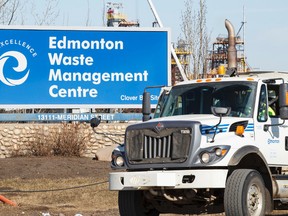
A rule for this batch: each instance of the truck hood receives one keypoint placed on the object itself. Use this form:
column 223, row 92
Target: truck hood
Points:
column 203, row 119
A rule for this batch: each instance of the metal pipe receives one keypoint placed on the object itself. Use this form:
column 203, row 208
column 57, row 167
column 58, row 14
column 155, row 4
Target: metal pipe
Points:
column 232, row 52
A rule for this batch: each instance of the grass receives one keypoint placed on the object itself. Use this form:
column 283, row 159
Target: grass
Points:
column 95, row 197
column 66, row 196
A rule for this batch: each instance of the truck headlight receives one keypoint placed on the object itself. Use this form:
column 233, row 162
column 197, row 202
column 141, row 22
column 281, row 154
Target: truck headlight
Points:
column 213, row 154
column 117, row 158
column 205, row 157
column 218, row 152
column 119, row 161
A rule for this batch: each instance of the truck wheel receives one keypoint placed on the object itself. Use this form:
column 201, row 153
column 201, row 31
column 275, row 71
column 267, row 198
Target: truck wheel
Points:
column 244, row 194
column 133, row 203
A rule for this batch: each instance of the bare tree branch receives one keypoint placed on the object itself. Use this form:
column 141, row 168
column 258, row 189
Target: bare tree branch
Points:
column 88, row 14
column 8, row 10
column 195, row 35
column 14, row 9
column 49, row 15
column 3, row 4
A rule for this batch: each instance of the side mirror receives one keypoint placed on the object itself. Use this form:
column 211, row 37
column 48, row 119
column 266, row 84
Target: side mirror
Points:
column 220, row 111
column 283, row 100
column 146, row 106
column 94, row 122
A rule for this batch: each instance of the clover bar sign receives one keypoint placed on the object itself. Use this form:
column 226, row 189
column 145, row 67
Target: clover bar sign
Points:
column 87, row 67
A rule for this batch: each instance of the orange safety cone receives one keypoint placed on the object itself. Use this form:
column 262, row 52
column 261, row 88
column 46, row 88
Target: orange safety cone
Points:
column 7, row 201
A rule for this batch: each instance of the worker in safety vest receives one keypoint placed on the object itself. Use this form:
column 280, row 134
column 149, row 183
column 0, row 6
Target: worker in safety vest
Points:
column 272, row 98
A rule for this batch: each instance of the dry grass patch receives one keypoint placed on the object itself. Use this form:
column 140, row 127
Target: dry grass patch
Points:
column 81, row 194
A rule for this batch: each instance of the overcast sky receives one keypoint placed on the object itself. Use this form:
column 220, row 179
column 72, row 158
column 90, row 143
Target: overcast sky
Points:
column 266, row 30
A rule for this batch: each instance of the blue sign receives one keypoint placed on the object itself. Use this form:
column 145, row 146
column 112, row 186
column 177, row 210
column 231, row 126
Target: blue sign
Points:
column 74, row 68
column 60, row 117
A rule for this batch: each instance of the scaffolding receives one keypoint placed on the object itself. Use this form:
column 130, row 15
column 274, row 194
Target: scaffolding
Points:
column 115, row 18
column 218, row 56
column 183, row 54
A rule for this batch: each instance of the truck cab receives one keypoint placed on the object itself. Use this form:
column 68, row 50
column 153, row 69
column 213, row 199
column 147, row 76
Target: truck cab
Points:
column 212, row 145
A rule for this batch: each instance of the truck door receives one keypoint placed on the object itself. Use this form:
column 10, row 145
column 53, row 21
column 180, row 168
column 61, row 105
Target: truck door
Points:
column 269, row 133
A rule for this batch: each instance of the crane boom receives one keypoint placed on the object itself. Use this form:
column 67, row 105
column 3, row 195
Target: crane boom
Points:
column 172, row 48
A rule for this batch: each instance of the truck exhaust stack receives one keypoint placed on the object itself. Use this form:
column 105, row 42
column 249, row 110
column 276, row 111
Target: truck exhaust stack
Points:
column 232, row 52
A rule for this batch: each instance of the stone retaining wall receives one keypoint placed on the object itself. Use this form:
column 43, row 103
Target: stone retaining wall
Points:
column 16, row 138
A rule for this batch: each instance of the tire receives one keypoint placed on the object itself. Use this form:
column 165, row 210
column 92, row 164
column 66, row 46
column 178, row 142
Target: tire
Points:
column 244, row 194
column 133, row 203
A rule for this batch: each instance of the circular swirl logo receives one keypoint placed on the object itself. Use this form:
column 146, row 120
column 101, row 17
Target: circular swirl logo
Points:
column 20, row 68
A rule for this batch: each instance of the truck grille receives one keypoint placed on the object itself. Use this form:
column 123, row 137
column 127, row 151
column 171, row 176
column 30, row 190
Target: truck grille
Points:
column 155, row 147
column 150, row 146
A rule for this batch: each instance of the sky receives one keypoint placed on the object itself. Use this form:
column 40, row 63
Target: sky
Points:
column 265, row 30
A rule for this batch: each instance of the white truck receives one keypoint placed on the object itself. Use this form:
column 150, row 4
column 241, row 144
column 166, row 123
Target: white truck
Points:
column 213, row 145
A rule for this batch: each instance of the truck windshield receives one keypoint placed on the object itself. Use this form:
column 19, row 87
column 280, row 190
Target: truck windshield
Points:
column 198, row 98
